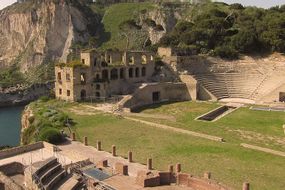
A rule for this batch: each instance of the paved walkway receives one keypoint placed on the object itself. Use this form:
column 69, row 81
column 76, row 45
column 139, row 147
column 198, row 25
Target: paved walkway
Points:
column 35, row 156
column 192, row 133
column 76, row 151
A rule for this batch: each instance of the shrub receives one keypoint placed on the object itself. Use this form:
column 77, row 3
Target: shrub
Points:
column 44, row 98
column 31, row 119
column 226, row 52
column 236, row 6
column 51, row 135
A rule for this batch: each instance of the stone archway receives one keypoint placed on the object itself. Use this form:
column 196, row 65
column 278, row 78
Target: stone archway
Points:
column 83, row 95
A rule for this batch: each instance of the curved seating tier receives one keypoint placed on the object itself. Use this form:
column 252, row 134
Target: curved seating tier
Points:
column 230, row 85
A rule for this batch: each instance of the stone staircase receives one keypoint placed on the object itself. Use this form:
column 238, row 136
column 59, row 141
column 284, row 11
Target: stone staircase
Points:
column 271, row 82
column 50, row 173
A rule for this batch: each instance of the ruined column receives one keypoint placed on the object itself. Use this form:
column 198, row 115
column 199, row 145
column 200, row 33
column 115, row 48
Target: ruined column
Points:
column 245, row 186
column 149, row 164
column 113, row 150
column 86, row 141
column 73, row 137
column 207, row 175
column 170, row 168
column 178, row 168
column 130, row 156
column 99, row 145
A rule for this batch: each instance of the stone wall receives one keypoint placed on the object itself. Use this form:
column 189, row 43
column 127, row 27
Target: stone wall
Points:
column 8, row 183
column 168, row 92
column 20, row 150
column 204, row 94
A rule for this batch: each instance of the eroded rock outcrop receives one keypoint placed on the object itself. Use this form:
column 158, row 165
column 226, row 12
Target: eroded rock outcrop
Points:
column 41, row 30
column 160, row 21
column 19, row 94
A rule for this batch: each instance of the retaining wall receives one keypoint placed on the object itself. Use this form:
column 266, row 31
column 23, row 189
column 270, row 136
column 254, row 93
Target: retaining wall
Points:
column 20, row 150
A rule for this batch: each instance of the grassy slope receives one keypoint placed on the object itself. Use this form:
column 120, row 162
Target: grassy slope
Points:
column 114, row 16
column 228, row 162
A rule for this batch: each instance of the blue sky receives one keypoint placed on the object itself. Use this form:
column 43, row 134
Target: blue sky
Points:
column 259, row 3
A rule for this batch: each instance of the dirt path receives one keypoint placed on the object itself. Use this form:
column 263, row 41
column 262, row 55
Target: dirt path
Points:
column 267, row 150
column 192, row 133
column 154, row 116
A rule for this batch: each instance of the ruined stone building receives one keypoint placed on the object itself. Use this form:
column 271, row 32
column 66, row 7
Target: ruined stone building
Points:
column 99, row 75
column 132, row 77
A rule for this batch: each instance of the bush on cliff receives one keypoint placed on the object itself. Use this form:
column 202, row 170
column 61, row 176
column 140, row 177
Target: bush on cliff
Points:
column 51, row 135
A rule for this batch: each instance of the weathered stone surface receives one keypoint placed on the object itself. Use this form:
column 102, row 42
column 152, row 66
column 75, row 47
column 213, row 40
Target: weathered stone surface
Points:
column 40, row 31
column 121, row 169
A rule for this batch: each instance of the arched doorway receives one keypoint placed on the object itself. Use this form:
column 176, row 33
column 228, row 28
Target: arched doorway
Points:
column 105, row 74
column 114, row 74
column 83, row 94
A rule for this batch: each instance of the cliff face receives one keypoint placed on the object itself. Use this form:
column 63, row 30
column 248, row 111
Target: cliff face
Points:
column 35, row 31
column 19, row 95
column 163, row 21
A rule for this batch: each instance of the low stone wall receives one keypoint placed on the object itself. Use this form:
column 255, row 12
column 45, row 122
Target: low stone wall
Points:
column 8, row 183
column 20, row 150
column 168, row 92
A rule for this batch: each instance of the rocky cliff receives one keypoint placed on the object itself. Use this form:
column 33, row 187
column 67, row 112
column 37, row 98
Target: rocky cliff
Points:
column 37, row 31
column 21, row 94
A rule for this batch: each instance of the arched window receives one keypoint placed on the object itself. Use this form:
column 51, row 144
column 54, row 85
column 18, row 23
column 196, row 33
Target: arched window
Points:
column 143, row 72
column 105, row 74
column 83, row 94
column 109, row 59
column 131, row 70
column 137, row 72
column 104, row 64
column 98, row 95
column 114, row 74
column 144, row 60
column 122, row 73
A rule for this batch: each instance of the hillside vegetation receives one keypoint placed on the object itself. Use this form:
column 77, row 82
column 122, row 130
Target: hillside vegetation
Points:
column 114, row 35
column 213, row 28
column 228, row 30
